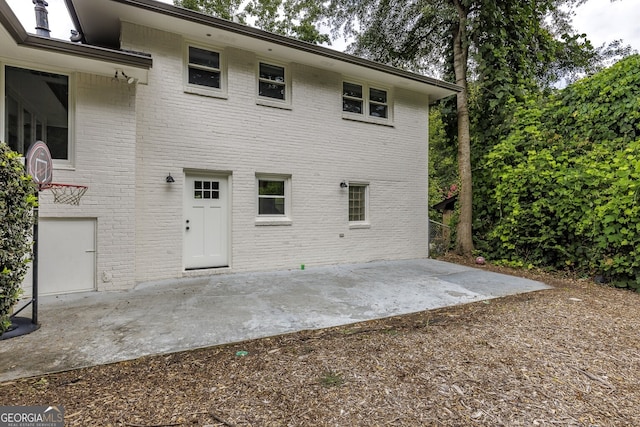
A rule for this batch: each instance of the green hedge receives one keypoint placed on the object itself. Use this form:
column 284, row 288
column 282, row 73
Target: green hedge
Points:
column 17, row 199
column 565, row 183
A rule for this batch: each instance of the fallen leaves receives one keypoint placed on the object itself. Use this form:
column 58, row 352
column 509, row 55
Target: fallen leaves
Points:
column 568, row 356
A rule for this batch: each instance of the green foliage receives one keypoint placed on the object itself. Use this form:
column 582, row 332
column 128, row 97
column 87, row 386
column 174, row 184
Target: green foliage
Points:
column 331, row 378
column 17, row 198
column 565, row 183
column 225, row 9
column 443, row 172
column 443, row 175
column 297, row 19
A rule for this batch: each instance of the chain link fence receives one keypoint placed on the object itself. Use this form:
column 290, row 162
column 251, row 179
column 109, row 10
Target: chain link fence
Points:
column 439, row 238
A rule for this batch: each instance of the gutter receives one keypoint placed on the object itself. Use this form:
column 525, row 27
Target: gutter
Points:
column 245, row 30
column 22, row 38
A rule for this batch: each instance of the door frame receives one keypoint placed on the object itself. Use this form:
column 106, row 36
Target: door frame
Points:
column 207, row 174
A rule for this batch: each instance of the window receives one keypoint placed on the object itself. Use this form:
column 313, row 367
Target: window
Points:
column 352, row 100
column 205, row 72
column 274, row 88
column 204, row 67
column 271, row 198
column 367, row 102
column 37, row 108
column 358, row 203
column 206, row 189
column 271, row 82
column 274, row 198
column 378, row 103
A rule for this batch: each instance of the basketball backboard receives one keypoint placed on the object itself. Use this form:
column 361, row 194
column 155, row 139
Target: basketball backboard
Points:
column 40, row 164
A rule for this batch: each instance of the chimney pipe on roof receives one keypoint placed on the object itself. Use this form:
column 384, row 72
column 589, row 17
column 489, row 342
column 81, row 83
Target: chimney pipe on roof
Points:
column 42, row 20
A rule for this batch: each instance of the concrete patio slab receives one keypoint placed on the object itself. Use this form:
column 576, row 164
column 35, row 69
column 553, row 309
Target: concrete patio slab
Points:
column 86, row 329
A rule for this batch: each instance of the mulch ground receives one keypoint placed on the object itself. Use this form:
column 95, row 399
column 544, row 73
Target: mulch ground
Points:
column 569, row 356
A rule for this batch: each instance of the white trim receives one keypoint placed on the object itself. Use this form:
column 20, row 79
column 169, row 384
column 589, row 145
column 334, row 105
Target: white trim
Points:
column 200, row 89
column 195, row 174
column 273, row 102
column 360, row 224
column 69, row 162
column 366, row 116
column 265, row 219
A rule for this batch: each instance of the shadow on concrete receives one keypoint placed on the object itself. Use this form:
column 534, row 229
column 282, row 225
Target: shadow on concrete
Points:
column 86, row 329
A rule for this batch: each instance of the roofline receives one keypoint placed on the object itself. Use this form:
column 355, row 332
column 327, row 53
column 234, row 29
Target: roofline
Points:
column 245, row 30
column 9, row 20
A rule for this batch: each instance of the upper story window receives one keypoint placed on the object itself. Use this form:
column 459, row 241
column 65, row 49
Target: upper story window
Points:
column 37, row 107
column 274, row 85
column 352, row 98
column 271, row 82
column 378, row 106
column 205, row 71
column 364, row 102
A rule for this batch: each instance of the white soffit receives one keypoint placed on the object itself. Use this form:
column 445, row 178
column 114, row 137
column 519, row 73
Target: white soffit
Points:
column 100, row 18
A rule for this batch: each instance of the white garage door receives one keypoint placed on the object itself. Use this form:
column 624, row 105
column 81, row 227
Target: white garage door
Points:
column 66, row 256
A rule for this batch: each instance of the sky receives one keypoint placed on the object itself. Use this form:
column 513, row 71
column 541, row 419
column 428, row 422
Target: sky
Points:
column 602, row 20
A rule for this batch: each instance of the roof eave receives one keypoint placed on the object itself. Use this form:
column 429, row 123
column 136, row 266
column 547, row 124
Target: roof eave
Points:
column 13, row 26
column 245, row 30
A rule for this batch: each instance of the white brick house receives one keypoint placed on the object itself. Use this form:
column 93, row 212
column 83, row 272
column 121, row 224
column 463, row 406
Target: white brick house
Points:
column 257, row 132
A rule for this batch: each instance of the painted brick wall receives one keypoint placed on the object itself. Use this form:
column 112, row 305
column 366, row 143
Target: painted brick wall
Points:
column 178, row 132
column 104, row 123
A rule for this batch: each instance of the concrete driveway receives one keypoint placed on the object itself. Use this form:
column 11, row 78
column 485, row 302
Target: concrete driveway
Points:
column 86, row 329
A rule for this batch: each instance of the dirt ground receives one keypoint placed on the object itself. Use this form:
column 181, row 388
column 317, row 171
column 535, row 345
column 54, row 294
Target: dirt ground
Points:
column 569, row 356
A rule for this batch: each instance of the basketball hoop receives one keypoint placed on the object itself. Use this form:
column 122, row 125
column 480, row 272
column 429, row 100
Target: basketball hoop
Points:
column 68, row 194
column 39, row 164
column 40, row 167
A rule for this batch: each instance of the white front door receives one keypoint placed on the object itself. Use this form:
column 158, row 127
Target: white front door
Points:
column 66, row 256
column 205, row 222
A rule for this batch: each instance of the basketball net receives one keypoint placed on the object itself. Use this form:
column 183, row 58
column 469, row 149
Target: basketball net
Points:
column 67, row 194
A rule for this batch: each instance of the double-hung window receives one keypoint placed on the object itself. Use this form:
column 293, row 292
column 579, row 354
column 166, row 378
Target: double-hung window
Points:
column 274, row 85
column 378, row 103
column 363, row 102
column 38, row 108
column 358, row 204
column 204, row 71
column 274, row 199
column 352, row 98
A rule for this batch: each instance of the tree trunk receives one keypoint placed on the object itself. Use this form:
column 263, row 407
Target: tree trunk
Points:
column 464, row 237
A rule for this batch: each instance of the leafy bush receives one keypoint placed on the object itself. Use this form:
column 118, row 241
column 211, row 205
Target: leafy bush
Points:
column 566, row 181
column 17, row 198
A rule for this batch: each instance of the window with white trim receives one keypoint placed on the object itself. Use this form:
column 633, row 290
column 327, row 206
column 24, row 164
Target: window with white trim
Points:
column 38, row 107
column 366, row 102
column 205, row 73
column 273, row 198
column 352, row 98
column 358, row 203
column 273, row 83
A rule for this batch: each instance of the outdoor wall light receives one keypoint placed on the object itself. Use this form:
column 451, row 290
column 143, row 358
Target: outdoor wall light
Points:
column 120, row 74
column 170, row 179
column 343, row 184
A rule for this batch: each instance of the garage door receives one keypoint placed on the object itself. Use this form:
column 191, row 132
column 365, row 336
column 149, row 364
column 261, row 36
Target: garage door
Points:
column 67, row 256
